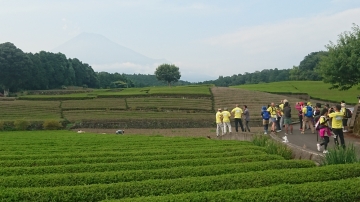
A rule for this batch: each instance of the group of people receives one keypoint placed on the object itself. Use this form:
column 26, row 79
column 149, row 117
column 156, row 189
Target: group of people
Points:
column 223, row 120
column 327, row 121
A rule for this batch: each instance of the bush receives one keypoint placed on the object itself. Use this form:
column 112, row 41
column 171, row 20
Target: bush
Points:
column 52, row 125
column 272, row 147
column 21, row 124
column 341, row 156
column 1, row 125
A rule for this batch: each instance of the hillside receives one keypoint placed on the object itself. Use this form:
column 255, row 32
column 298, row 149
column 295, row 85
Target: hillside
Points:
column 316, row 89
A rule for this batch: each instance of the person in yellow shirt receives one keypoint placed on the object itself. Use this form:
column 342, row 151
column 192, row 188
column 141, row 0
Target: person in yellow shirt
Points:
column 226, row 120
column 308, row 117
column 237, row 112
column 219, row 123
column 337, row 125
column 273, row 116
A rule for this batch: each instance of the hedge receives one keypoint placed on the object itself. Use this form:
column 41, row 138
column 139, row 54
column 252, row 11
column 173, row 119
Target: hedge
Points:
column 53, row 180
column 141, row 165
column 248, row 180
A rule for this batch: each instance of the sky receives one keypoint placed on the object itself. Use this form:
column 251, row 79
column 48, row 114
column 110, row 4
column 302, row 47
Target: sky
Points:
column 205, row 39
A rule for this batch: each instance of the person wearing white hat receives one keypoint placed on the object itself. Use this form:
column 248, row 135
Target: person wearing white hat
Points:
column 345, row 119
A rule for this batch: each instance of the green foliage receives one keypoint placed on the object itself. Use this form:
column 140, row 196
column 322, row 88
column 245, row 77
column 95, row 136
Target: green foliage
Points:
column 316, row 89
column 21, row 124
column 52, row 125
column 2, row 125
column 168, row 73
column 341, row 156
column 341, row 67
column 147, row 80
column 272, row 147
column 306, row 70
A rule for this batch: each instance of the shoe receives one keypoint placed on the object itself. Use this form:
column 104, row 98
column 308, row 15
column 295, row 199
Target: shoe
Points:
column 265, row 133
column 318, row 147
column 325, row 151
column 278, row 131
column 345, row 131
column 290, row 133
column 285, row 134
column 302, row 132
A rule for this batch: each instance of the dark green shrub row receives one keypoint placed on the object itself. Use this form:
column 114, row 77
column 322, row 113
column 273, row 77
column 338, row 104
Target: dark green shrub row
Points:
column 119, row 153
column 247, row 180
column 347, row 190
column 125, row 159
column 198, row 96
column 54, row 180
column 140, row 165
column 56, row 98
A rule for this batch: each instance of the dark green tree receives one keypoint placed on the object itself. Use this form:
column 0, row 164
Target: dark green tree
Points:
column 341, row 67
column 14, row 68
column 168, row 73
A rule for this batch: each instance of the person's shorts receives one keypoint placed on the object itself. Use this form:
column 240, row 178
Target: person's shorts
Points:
column 344, row 121
column 272, row 120
column 265, row 122
column 287, row 121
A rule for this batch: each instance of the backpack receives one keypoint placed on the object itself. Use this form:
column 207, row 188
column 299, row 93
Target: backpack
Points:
column 266, row 115
column 348, row 113
column 309, row 111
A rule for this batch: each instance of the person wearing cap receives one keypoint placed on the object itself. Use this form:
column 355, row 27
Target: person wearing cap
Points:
column 265, row 116
column 308, row 117
column 226, row 120
column 219, row 123
column 237, row 112
column 273, row 116
column 299, row 106
column 345, row 119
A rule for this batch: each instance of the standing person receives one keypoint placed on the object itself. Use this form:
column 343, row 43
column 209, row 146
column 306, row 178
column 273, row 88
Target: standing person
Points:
column 226, row 120
column 265, row 116
column 247, row 118
column 287, row 118
column 345, row 119
column 219, row 123
column 336, row 125
column 308, row 117
column 281, row 105
column 279, row 115
column 324, row 130
column 237, row 112
column 272, row 110
column 300, row 114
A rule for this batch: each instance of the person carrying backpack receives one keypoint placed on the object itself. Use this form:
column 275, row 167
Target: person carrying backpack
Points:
column 324, row 130
column 273, row 116
column 347, row 115
column 308, row 117
column 265, row 116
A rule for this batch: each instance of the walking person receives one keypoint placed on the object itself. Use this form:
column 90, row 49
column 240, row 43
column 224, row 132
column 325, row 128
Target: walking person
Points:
column 299, row 106
column 287, row 119
column 337, row 125
column 247, row 118
column 226, row 120
column 219, row 123
column 279, row 115
column 308, row 118
column 272, row 110
column 265, row 116
column 324, row 131
column 237, row 112
column 346, row 116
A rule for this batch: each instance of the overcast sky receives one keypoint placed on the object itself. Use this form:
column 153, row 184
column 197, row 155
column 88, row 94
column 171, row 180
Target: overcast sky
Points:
column 204, row 38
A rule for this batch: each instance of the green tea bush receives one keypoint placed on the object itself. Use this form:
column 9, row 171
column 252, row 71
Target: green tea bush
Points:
column 272, row 147
column 21, row 124
column 1, row 125
column 52, row 125
column 341, row 156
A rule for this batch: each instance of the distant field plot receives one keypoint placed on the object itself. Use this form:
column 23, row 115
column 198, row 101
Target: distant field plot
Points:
column 77, row 115
column 29, row 110
column 66, row 166
column 99, row 103
column 316, row 89
column 170, row 103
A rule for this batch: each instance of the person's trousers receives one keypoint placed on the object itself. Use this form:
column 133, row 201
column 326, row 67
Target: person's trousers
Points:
column 227, row 125
column 281, row 122
column 326, row 142
column 219, row 127
column 247, row 126
column 301, row 122
column 339, row 134
column 278, row 127
column 310, row 121
column 237, row 122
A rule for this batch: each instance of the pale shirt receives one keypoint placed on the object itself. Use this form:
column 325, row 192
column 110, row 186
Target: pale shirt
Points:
column 238, row 112
column 226, row 116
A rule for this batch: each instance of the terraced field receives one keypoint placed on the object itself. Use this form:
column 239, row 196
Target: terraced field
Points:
column 66, row 166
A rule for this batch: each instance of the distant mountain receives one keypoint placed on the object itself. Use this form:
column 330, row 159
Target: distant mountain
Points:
column 96, row 49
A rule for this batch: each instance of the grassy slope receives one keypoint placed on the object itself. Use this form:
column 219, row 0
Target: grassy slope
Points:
column 316, row 89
